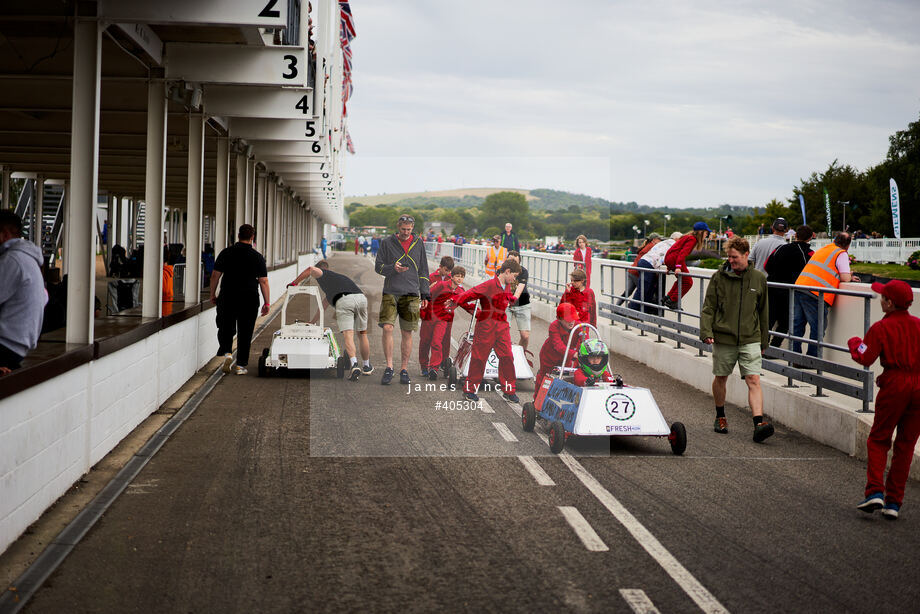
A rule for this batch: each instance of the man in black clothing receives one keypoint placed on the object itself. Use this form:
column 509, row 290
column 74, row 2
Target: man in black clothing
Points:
column 784, row 266
column 509, row 240
column 350, row 312
column 520, row 309
column 240, row 269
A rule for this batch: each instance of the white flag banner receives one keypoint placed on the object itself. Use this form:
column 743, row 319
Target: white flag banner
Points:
column 895, row 209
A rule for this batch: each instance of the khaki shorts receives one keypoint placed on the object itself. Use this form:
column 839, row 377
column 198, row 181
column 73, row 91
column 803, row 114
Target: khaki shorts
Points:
column 724, row 357
column 406, row 307
column 351, row 312
column 521, row 315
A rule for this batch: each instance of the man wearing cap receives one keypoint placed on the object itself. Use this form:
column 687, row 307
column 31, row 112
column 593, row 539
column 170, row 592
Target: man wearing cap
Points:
column 403, row 263
column 896, row 340
column 765, row 247
column 495, row 255
column 827, row 267
column 676, row 258
column 784, row 267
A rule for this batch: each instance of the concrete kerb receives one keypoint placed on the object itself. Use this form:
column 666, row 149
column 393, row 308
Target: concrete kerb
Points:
column 832, row 420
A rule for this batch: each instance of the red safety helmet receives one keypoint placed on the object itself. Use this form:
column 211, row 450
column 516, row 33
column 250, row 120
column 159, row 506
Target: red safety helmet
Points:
column 567, row 312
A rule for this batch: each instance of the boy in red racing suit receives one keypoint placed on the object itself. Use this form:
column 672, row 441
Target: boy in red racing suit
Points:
column 593, row 363
column 555, row 344
column 896, row 340
column 442, row 294
column 492, row 331
column 426, row 315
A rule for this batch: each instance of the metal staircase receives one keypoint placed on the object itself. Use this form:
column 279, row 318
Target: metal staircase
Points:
column 51, row 218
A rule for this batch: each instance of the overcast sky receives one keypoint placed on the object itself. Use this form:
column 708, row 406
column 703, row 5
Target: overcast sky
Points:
column 649, row 101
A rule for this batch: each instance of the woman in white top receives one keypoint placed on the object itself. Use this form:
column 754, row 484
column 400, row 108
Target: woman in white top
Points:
column 647, row 290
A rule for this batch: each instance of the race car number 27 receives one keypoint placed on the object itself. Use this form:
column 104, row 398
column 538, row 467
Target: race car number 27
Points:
column 620, row 406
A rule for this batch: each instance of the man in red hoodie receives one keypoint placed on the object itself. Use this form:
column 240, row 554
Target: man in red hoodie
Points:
column 579, row 294
column 442, row 294
column 554, row 347
column 428, row 321
column 492, row 331
column 896, row 340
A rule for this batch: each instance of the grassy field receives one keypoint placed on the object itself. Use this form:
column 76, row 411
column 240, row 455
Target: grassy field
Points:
column 386, row 199
column 893, row 271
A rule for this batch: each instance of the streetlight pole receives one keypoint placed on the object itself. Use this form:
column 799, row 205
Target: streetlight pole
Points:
column 645, row 230
column 845, row 204
column 667, row 218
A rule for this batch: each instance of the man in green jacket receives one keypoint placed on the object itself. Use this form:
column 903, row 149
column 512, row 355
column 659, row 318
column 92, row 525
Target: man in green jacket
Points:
column 735, row 321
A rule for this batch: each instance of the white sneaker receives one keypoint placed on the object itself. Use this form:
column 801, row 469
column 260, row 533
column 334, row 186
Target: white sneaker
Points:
column 228, row 362
column 238, row 370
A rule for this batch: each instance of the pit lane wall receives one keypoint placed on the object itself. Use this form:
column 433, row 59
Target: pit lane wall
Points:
column 54, row 432
column 832, row 420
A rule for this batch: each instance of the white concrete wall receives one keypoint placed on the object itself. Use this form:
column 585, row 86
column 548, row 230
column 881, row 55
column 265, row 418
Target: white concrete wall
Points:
column 52, row 433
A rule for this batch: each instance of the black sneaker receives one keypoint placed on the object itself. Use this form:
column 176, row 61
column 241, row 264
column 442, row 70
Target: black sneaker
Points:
column 762, row 431
column 511, row 397
column 433, row 375
column 470, row 396
column 367, row 369
column 355, row 373
column 404, row 377
column 387, row 376
column 424, row 371
column 670, row 304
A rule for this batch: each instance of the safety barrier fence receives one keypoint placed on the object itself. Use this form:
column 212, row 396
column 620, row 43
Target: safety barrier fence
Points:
column 549, row 274
column 868, row 250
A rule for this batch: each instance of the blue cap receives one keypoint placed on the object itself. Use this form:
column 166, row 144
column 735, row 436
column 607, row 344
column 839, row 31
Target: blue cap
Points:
column 701, row 226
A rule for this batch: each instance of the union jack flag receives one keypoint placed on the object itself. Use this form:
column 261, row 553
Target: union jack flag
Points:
column 348, row 144
column 348, row 21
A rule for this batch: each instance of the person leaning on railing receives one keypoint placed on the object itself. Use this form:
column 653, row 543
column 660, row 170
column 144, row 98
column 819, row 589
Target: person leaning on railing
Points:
column 827, row 267
column 895, row 339
column 676, row 258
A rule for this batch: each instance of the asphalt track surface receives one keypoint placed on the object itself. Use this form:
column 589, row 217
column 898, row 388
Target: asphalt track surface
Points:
column 296, row 494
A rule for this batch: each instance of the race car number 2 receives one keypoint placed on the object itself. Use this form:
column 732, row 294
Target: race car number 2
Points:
column 620, row 407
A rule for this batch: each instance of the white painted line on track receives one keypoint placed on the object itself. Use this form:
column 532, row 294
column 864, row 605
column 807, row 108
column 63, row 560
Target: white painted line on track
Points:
column 690, row 585
column 583, row 530
column 486, row 408
column 535, row 470
column 638, row 601
column 504, row 431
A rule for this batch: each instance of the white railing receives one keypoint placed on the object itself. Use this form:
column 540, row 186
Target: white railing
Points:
column 869, row 250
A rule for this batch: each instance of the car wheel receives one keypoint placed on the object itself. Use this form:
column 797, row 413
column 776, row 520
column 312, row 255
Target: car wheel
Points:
column 262, row 369
column 340, row 367
column 678, row 438
column 452, row 377
column 556, row 437
column 528, row 417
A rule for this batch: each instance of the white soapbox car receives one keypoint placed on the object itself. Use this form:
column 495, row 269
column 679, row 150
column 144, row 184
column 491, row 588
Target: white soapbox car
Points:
column 301, row 345
column 459, row 367
column 604, row 409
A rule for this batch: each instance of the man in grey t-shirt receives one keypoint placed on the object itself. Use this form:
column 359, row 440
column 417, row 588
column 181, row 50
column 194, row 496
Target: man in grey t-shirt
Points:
column 762, row 250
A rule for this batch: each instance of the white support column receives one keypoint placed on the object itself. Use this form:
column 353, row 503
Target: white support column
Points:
column 249, row 191
column 37, row 206
column 194, row 206
column 84, row 173
column 276, row 236
column 260, row 209
column 268, row 228
column 223, row 189
column 154, row 195
column 239, row 217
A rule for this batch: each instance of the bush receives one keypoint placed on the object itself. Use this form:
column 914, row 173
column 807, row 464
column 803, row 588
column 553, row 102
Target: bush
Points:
column 913, row 261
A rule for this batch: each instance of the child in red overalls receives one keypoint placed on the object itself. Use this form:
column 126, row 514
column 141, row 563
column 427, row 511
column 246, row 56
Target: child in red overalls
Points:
column 492, row 331
column 554, row 346
column 444, row 293
column 581, row 296
column 426, row 315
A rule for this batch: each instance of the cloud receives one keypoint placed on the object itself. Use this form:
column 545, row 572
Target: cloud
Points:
column 690, row 104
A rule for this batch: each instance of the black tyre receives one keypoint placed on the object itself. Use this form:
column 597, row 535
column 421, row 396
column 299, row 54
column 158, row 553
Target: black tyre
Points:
column 678, row 438
column 528, row 417
column 452, row 377
column 265, row 352
column 556, row 437
column 447, row 363
column 340, row 365
column 263, row 372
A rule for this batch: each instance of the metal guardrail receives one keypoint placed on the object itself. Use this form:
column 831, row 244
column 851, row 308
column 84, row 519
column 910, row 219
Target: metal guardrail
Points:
column 868, row 250
column 548, row 274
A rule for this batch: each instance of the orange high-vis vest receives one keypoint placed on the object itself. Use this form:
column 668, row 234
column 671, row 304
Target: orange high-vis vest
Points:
column 495, row 259
column 821, row 271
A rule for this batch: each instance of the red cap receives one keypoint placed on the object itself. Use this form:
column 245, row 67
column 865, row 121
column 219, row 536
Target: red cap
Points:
column 567, row 312
column 897, row 291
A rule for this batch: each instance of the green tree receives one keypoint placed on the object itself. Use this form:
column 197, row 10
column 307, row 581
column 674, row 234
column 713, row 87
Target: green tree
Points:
column 903, row 165
column 503, row 207
column 844, row 184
